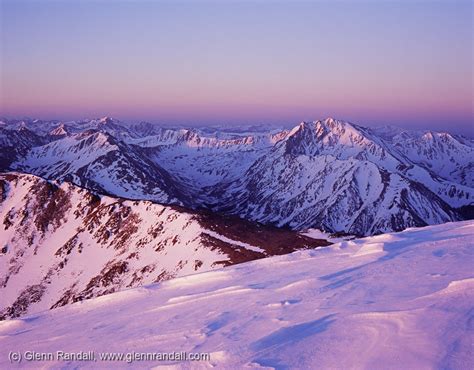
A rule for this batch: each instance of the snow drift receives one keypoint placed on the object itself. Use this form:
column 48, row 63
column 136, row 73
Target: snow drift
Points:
column 401, row 300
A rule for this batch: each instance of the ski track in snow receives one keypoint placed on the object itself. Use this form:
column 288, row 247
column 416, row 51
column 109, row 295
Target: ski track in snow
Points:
column 234, row 242
column 401, row 300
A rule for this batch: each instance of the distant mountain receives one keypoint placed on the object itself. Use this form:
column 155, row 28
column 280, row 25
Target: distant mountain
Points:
column 328, row 174
column 61, row 244
column 447, row 156
column 342, row 178
column 17, row 143
column 98, row 161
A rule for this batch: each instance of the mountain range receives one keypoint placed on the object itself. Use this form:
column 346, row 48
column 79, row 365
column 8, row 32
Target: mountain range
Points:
column 328, row 174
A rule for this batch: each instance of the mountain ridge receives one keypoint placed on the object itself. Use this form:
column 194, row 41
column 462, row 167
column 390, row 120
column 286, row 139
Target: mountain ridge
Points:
column 61, row 244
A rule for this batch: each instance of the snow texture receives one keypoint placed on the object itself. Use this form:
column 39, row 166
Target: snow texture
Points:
column 392, row 301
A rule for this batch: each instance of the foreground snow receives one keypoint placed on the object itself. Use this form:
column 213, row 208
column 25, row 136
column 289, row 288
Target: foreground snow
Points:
column 402, row 300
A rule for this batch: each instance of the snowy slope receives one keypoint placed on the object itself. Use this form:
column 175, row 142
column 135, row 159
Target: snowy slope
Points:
column 61, row 244
column 202, row 161
column 440, row 153
column 15, row 144
column 448, row 156
column 98, row 161
column 391, row 301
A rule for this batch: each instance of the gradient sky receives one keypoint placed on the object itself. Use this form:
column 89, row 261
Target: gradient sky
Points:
column 371, row 62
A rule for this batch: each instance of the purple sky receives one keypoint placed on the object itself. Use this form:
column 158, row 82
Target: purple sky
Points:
column 408, row 63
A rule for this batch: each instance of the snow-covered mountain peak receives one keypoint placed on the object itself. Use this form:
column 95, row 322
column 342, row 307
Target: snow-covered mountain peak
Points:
column 333, row 137
column 61, row 130
column 22, row 126
column 94, row 139
column 106, row 119
column 333, row 123
column 342, row 129
column 300, row 127
column 438, row 136
column 329, row 127
column 111, row 123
